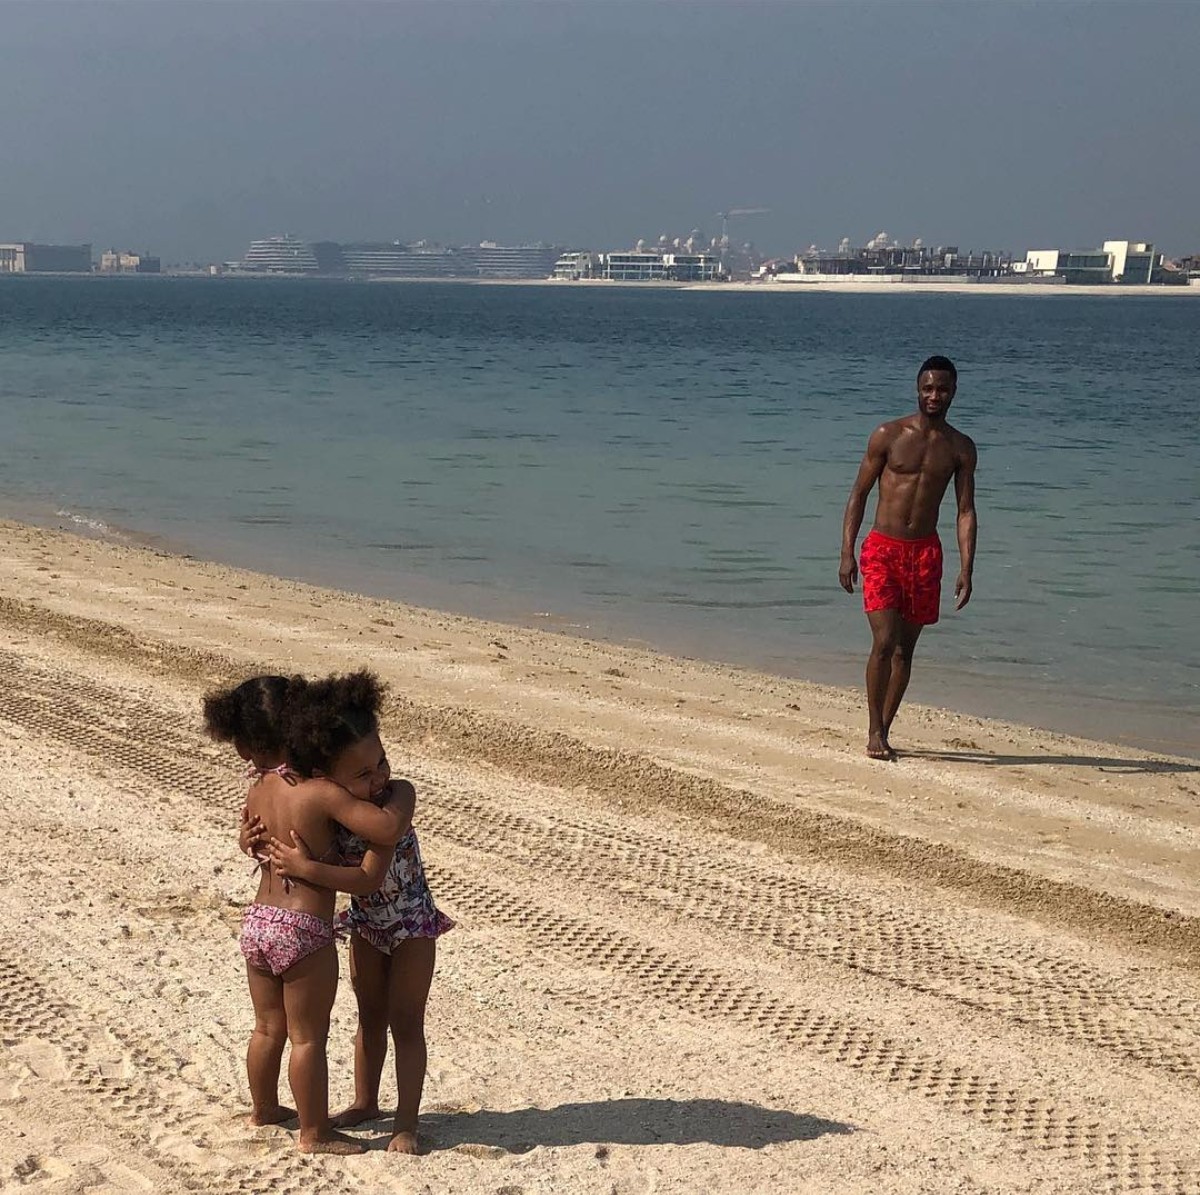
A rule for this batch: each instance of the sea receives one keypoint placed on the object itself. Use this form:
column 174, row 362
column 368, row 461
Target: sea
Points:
column 660, row 467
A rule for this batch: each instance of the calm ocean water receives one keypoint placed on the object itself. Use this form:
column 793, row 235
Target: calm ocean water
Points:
column 660, row 466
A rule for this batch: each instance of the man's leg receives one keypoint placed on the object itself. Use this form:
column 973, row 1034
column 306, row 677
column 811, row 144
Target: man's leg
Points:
column 885, row 636
column 902, row 657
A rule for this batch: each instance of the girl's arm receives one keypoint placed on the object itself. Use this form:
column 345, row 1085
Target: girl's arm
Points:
column 295, row 862
column 385, row 824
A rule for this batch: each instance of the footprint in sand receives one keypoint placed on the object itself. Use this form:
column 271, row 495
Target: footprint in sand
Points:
column 40, row 1060
column 97, row 1174
column 473, row 1149
column 28, row 1169
column 33, row 1169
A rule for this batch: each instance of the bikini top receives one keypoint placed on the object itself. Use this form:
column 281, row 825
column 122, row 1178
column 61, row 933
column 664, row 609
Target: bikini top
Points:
column 284, row 771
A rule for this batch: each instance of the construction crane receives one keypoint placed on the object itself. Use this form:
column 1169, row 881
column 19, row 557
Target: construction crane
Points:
column 737, row 211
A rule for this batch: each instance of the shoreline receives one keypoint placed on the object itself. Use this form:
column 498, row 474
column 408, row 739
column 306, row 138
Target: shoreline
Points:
column 545, row 678
column 967, row 287
column 961, row 688
column 815, row 285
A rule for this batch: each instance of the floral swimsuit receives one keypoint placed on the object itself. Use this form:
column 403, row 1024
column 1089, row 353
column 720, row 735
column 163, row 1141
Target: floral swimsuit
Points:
column 275, row 939
column 402, row 907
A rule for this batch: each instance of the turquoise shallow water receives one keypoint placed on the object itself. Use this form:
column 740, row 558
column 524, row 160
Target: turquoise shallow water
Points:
column 663, row 466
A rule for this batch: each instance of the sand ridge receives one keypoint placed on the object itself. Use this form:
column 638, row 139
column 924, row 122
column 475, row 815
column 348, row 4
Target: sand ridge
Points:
column 703, row 944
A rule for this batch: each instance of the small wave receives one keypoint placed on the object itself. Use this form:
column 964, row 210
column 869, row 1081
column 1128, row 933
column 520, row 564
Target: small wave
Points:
column 732, row 503
column 91, row 524
column 748, row 572
column 766, row 604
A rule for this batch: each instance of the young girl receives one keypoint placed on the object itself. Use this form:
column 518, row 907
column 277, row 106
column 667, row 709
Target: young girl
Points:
column 287, row 933
column 395, row 927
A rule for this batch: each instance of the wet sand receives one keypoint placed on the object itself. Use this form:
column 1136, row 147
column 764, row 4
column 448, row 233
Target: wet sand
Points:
column 703, row 943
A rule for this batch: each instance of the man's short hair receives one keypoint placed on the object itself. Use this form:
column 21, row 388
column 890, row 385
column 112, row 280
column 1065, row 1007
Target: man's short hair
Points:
column 939, row 365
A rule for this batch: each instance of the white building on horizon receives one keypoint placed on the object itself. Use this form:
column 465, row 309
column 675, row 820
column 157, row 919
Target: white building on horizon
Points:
column 638, row 265
column 1128, row 263
column 280, row 255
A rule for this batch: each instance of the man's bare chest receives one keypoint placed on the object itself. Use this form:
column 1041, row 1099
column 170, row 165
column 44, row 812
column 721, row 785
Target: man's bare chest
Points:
column 915, row 457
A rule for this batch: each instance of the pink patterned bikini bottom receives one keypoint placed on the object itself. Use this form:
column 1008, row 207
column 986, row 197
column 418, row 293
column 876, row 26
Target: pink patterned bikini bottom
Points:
column 275, row 940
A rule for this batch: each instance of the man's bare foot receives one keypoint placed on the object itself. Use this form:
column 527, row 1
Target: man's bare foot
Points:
column 877, row 748
column 404, row 1143
column 347, row 1118
column 276, row 1115
column 330, row 1142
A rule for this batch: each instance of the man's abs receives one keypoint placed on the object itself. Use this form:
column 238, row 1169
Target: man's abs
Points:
column 909, row 502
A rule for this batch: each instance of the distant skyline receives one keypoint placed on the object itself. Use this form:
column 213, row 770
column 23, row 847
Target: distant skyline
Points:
column 188, row 129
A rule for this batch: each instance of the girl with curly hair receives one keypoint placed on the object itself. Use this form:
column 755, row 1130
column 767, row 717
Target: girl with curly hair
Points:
column 288, row 931
column 394, row 924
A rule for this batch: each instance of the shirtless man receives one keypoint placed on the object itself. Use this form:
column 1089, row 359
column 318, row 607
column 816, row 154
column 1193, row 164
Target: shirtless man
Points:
column 913, row 459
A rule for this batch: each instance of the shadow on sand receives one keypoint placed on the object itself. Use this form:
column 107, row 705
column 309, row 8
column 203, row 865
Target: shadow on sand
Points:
column 622, row 1122
column 1128, row 767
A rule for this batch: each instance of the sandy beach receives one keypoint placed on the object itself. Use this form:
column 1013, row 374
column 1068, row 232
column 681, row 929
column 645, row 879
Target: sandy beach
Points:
column 703, row 944
column 823, row 284
column 962, row 286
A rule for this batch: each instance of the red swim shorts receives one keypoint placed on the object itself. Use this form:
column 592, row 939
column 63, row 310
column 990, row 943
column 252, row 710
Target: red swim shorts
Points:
column 903, row 575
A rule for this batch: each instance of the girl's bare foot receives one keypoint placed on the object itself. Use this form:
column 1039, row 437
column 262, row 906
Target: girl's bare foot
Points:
column 275, row 1115
column 404, row 1143
column 330, row 1142
column 355, row 1114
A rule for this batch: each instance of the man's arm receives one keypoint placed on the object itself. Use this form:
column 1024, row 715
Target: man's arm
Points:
column 967, row 527
column 869, row 472
column 295, row 862
column 385, row 824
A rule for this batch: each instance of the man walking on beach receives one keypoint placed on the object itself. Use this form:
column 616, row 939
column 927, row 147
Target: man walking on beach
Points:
column 913, row 459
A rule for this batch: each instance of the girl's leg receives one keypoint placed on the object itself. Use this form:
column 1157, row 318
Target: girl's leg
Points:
column 369, row 970
column 412, row 973
column 308, row 991
column 265, row 1051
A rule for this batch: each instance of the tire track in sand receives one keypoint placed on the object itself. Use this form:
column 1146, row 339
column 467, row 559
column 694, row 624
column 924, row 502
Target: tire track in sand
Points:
column 1116, row 1161
column 141, row 1096
column 1111, row 1161
column 1060, row 996
column 559, row 759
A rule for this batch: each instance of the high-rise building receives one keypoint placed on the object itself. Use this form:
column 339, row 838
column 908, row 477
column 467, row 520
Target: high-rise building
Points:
column 280, row 255
column 26, row 257
column 512, row 261
column 393, row 259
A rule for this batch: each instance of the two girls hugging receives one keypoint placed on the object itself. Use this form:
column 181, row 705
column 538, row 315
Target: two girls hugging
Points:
column 323, row 815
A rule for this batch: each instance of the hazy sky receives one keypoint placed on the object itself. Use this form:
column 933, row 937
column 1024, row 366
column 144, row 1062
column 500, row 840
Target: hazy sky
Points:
column 186, row 128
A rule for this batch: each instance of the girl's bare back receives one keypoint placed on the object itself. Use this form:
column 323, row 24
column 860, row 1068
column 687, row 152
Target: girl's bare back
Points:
column 286, row 805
